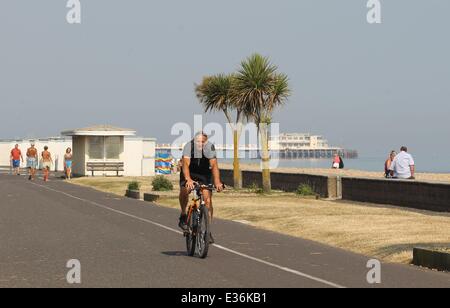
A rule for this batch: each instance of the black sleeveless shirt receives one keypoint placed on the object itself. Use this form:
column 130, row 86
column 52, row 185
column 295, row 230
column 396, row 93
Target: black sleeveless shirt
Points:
column 200, row 161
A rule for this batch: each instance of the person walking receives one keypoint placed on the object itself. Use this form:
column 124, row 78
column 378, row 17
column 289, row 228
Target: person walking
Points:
column 32, row 161
column 68, row 162
column 16, row 158
column 47, row 162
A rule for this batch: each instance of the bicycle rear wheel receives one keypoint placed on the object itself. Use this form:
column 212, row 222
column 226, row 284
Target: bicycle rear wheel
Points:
column 202, row 234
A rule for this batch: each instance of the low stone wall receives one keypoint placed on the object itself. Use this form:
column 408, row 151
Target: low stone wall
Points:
column 411, row 194
column 419, row 195
column 437, row 260
column 227, row 178
column 324, row 186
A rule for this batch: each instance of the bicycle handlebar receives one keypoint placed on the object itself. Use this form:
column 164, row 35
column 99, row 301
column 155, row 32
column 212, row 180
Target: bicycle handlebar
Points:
column 210, row 187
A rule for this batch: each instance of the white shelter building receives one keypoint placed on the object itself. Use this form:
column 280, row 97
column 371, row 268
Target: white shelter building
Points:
column 109, row 144
column 96, row 145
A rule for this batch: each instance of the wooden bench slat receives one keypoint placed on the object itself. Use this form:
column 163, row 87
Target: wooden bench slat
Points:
column 105, row 166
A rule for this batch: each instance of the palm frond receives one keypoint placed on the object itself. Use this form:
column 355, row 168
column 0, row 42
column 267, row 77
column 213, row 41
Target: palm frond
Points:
column 258, row 88
column 214, row 92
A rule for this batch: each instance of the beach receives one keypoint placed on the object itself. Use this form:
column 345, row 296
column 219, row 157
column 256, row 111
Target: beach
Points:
column 423, row 177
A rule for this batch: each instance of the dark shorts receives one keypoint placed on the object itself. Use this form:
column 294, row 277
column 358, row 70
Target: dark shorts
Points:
column 16, row 163
column 201, row 179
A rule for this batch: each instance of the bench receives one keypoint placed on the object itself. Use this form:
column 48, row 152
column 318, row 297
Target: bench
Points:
column 105, row 166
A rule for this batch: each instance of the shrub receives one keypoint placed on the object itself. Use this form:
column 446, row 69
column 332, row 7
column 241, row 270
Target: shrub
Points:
column 161, row 183
column 305, row 190
column 254, row 188
column 134, row 186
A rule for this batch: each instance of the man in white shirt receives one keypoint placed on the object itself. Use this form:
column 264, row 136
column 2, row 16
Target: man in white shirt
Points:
column 403, row 166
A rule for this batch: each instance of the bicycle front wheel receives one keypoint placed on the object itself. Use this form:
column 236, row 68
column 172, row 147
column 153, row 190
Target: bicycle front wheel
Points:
column 202, row 234
column 190, row 236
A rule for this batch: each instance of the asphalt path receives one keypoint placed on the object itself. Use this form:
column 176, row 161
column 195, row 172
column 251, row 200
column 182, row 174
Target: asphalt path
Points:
column 121, row 242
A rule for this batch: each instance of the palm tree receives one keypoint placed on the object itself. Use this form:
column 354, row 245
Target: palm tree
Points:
column 214, row 93
column 258, row 89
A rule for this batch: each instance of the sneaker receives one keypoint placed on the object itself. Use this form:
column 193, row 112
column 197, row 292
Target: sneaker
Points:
column 182, row 224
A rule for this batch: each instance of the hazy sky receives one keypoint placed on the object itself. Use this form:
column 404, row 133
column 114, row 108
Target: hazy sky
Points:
column 134, row 64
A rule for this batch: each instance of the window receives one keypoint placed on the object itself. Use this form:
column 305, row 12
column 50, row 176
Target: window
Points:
column 113, row 147
column 105, row 148
column 96, row 147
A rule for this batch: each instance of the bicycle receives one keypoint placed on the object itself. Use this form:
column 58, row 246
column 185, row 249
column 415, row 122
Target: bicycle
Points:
column 198, row 222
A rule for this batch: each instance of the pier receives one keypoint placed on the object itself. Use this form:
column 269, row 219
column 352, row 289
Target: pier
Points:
column 283, row 146
column 314, row 153
column 253, row 152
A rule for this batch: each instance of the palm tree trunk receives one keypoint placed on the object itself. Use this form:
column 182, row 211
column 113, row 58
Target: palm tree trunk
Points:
column 237, row 174
column 265, row 155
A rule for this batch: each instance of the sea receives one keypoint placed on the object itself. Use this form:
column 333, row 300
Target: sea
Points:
column 375, row 164
column 425, row 162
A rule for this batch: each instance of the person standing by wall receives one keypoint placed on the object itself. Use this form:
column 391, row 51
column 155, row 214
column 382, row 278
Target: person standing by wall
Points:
column 16, row 158
column 47, row 162
column 32, row 161
column 68, row 162
column 336, row 161
column 341, row 162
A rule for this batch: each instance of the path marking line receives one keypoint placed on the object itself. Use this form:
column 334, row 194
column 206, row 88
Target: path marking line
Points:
column 273, row 265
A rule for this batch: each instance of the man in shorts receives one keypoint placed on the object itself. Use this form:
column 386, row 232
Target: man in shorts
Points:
column 199, row 166
column 32, row 161
column 16, row 159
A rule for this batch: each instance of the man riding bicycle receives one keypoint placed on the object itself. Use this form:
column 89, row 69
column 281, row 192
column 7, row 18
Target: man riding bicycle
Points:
column 199, row 165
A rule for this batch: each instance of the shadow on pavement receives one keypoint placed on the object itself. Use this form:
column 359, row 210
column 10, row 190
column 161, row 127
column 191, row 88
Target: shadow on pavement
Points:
column 175, row 253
